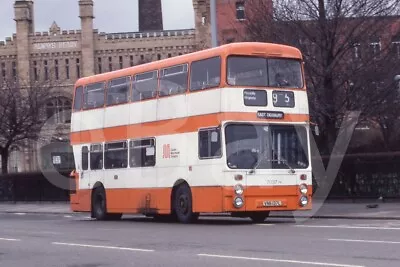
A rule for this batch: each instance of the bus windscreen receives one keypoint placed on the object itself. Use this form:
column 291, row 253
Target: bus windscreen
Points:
column 266, row 72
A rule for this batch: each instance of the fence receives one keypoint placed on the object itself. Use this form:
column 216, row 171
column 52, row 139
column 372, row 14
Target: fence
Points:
column 31, row 187
column 360, row 176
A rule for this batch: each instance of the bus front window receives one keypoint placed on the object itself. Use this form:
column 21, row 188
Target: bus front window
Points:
column 266, row 146
column 267, row 72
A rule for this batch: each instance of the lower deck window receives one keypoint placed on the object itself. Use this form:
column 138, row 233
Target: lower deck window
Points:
column 142, row 153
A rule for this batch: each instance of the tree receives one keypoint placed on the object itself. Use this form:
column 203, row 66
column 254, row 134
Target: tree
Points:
column 22, row 109
column 347, row 48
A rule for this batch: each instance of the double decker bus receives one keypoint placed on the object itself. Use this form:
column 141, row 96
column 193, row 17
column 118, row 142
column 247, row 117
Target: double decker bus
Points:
column 223, row 130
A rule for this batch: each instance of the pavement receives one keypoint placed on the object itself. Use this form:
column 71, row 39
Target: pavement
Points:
column 75, row 240
column 326, row 209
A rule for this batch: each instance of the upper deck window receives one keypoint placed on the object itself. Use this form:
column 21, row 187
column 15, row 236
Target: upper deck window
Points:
column 145, row 86
column 174, row 80
column 205, row 74
column 118, row 91
column 258, row 71
column 78, row 98
column 94, row 96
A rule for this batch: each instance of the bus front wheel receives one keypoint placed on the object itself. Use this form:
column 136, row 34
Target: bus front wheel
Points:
column 183, row 205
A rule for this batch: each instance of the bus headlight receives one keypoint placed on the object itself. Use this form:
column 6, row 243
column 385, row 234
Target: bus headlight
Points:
column 238, row 202
column 303, row 201
column 303, row 189
column 238, row 189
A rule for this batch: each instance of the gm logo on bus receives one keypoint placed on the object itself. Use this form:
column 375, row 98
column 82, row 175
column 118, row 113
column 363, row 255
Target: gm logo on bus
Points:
column 169, row 152
column 166, row 151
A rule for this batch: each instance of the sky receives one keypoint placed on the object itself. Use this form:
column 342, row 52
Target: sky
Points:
column 110, row 15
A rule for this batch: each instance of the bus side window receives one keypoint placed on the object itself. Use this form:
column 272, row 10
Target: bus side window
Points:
column 118, row 91
column 174, row 80
column 85, row 160
column 96, row 157
column 145, row 86
column 205, row 74
column 116, row 155
column 142, row 153
column 209, row 143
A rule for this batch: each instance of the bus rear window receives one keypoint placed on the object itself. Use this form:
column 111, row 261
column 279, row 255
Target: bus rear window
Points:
column 78, row 99
column 94, row 96
column 258, row 71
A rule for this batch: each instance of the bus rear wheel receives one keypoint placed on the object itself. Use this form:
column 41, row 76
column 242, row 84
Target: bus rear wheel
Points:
column 259, row 217
column 183, row 205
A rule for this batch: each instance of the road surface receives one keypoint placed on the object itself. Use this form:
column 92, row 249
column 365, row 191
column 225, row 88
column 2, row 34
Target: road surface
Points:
column 78, row 241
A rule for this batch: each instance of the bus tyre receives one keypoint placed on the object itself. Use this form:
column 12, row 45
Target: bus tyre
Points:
column 183, row 205
column 99, row 209
column 259, row 217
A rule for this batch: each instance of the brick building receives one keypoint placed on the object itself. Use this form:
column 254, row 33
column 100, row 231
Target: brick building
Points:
column 231, row 16
column 63, row 56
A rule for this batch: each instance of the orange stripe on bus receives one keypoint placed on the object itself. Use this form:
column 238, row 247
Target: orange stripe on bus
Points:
column 205, row 199
column 172, row 126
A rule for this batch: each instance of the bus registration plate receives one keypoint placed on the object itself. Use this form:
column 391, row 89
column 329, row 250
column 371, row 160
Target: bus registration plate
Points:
column 273, row 203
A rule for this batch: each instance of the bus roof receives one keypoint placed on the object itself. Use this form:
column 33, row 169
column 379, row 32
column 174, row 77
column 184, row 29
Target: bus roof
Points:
column 246, row 48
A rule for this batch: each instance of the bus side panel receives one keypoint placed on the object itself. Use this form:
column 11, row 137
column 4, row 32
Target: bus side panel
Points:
column 207, row 199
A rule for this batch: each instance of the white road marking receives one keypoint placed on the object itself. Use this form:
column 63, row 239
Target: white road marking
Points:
column 265, row 224
column 278, row 260
column 19, row 213
column 365, row 241
column 9, row 239
column 348, row 227
column 67, row 216
column 106, row 247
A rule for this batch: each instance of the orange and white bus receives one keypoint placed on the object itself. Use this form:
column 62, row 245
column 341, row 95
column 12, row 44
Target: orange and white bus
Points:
column 223, row 130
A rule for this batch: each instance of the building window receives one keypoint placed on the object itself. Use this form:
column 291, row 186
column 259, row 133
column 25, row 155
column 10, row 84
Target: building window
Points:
column 14, row 70
column 180, row 54
column 110, row 64
column 159, row 56
column 46, row 70
column 121, row 62
column 67, row 68
column 96, row 157
column 142, row 153
column 116, row 155
column 240, row 15
column 396, row 48
column 3, row 70
column 141, row 57
column 131, row 61
column 375, row 48
column 35, row 71
column 209, row 143
column 56, row 108
column 99, row 65
column 14, row 159
column 230, row 40
column 56, row 69
column 356, row 51
column 78, row 68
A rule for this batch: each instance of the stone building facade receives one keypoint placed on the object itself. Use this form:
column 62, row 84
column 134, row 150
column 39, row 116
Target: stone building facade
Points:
column 63, row 56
